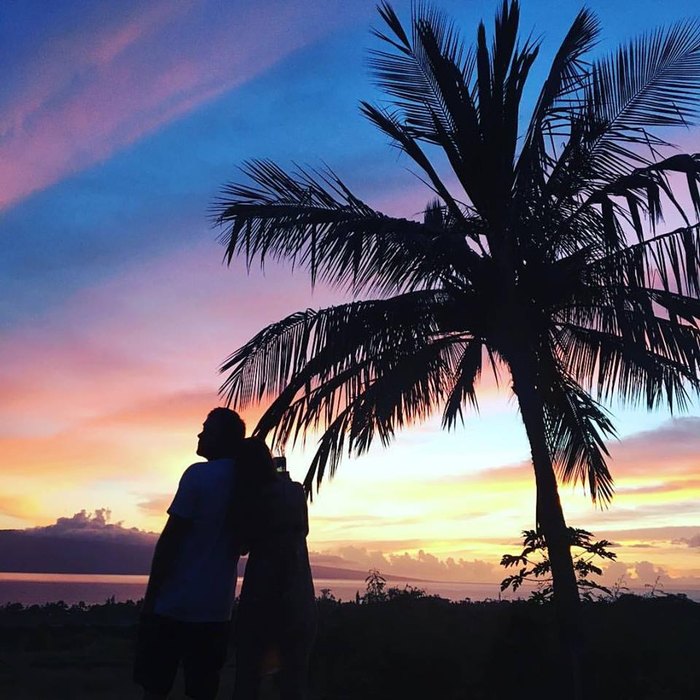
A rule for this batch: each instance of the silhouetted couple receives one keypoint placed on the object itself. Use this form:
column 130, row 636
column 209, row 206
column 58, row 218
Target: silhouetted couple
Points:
column 234, row 503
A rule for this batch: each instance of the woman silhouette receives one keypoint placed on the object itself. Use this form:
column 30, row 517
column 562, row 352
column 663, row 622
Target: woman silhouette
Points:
column 276, row 618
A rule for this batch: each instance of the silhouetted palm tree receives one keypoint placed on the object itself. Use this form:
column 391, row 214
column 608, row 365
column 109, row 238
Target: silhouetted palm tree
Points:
column 540, row 255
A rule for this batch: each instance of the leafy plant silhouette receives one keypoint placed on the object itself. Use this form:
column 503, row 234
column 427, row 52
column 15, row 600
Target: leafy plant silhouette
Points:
column 376, row 583
column 535, row 566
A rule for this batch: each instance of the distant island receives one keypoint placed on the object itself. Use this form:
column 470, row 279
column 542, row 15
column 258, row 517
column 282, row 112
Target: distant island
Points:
column 36, row 551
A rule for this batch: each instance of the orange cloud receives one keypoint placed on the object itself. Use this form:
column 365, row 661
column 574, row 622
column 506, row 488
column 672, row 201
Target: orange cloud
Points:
column 160, row 435
column 17, row 507
column 155, row 504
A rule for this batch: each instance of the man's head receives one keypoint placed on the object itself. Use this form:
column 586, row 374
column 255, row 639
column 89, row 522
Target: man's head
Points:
column 222, row 434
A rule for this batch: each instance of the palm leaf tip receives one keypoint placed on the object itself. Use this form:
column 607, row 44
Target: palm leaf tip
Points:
column 652, row 81
column 578, row 427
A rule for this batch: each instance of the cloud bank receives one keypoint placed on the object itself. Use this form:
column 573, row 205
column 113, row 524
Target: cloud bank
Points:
column 83, row 543
column 87, row 542
column 95, row 526
column 421, row 565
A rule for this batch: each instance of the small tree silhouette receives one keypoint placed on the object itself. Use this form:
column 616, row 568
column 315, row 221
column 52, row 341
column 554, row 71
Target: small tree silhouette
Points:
column 376, row 583
column 536, row 567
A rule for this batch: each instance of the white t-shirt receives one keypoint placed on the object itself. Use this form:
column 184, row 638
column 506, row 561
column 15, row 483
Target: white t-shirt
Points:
column 203, row 581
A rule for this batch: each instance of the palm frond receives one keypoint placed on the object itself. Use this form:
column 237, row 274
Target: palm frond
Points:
column 559, row 97
column 669, row 261
column 314, row 345
column 501, row 78
column 641, row 193
column 403, row 392
column 409, row 73
column 428, row 76
column 463, row 389
column 614, row 366
column 577, row 428
column 314, row 221
column 402, row 137
column 652, row 82
column 355, row 372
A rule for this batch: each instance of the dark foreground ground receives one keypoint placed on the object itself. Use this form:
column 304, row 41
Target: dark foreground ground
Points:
column 405, row 648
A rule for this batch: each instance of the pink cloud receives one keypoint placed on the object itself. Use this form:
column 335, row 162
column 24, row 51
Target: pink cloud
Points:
column 662, row 487
column 102, row 88
column 422, row 564
column 667, row 452
column 159, row 329
column 653, row 534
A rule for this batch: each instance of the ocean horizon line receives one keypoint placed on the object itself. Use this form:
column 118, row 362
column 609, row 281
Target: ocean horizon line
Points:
column 93, row 589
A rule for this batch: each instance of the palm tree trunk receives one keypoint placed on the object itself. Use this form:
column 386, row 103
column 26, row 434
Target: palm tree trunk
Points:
column 550, row 521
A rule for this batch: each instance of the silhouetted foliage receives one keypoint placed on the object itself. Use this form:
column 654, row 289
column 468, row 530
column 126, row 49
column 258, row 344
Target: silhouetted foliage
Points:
column 535, row 566
column 326, row 595
column 376, row 590
column 405, row 648
column 656, row 590
column 376, row 583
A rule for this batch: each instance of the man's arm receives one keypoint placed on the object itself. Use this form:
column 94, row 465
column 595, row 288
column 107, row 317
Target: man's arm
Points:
column 165, row 554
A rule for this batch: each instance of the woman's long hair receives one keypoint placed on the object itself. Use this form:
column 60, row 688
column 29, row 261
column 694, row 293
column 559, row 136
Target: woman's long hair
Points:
column 255, row 464
column 255, row 468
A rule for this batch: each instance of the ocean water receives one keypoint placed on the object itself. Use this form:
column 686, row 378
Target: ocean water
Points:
column 30, row 589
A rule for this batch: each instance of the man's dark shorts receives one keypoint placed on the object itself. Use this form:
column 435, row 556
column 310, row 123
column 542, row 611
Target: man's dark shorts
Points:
column 163, row 643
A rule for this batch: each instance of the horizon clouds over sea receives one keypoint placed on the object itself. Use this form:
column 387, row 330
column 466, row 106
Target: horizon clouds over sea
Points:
column 88, row 543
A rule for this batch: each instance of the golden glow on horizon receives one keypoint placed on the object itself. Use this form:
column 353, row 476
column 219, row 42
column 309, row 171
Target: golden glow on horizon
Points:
column 428, row 492
column 477, row 516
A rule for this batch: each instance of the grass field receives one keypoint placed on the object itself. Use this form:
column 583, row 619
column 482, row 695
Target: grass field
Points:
column 409, row 647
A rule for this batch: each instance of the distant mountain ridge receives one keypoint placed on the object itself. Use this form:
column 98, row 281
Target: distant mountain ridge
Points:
column 27, row 551
column 24, row 551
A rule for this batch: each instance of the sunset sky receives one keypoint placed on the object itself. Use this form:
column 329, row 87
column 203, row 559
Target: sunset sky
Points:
column 119, row 123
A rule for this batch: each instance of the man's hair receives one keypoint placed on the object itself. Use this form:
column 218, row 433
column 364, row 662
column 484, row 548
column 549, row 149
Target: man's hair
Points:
column 232, row 425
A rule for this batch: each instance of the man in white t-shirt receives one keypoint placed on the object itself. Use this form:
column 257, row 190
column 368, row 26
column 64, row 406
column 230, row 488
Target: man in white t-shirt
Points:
column 189, row 599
